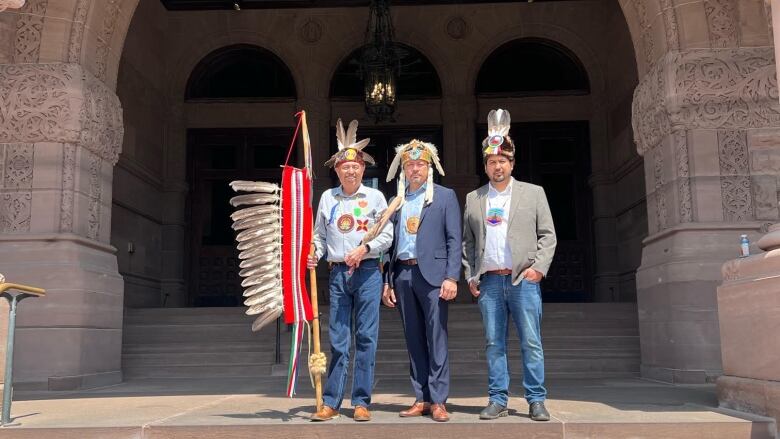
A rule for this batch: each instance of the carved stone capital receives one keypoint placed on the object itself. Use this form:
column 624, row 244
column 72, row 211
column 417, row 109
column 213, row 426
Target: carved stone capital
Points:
column 59, row 102
column 733, row 89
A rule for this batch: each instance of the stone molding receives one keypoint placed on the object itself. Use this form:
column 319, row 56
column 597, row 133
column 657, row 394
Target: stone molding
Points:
column 731, row 89
column 16, row 187
column 29, row 28
column 62, row 103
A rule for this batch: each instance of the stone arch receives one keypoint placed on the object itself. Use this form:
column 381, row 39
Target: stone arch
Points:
column 242, row 59
column 560, row 35
column 212, row 42
column 423, row 56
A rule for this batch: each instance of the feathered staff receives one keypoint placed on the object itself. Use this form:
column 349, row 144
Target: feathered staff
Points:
column 275, row 235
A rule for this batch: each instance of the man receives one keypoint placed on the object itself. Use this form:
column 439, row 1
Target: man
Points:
column 345, row 214
column 424, row 269
column 508, row 245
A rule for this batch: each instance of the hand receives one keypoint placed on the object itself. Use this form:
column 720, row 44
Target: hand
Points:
column 353, row 258
column 449, row 289
column 311, row 263
column 388, row 296
column 532, row 275
column 474, row 287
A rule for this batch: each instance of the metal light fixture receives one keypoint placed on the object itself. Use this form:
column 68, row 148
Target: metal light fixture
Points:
column 379, row 62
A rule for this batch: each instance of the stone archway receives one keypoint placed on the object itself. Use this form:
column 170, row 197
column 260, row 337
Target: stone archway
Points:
column 707, row 80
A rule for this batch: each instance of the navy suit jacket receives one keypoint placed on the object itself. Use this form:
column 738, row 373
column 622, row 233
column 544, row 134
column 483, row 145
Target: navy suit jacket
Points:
column 439, row 238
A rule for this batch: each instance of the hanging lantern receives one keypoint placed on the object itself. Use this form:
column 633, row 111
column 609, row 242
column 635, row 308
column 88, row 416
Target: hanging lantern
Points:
column 379, row 63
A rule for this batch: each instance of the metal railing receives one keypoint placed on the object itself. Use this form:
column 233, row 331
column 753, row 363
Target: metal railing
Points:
column 13, row 293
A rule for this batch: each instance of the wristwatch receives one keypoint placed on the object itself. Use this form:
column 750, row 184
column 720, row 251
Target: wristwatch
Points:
column 368, row 248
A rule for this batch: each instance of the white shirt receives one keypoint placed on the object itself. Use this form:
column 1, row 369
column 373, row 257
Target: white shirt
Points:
column 498, row 255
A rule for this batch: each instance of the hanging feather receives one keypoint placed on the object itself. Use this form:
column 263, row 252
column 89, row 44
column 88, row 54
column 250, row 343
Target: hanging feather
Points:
column 252, row 199
column 256, row 242
column 252, row 211
column 254, row 186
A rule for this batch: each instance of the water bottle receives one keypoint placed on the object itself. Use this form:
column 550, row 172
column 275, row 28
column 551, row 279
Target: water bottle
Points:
column 744, row 244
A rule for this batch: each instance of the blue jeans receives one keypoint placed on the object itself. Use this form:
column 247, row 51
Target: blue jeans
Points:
column 353, row 296
column 498, row 299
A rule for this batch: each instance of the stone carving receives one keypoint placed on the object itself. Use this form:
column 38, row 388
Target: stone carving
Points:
column 311, row 31
column 95, row 192
column 15, row 210
column 647, row 32
column 735, row 178
column 104, row 38
column 683, row 176
column 27, row 42
column 13, row 4
column 77, row 31
column 59, row 103
column 710, row 89
column 765, row 199
column 457, row 28
column 670, row 24
column 68, row 186
column 768, row 15
column 722, row 22
column 101, row 121
column 16, row 201
column 660, row 194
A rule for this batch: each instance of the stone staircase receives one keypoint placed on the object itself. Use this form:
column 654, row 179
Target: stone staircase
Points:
column 581, row 341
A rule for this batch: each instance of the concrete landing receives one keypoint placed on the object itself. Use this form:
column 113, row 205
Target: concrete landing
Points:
column 256, row 408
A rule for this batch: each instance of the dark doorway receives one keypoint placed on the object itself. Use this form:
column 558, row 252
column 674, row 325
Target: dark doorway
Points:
column 556, row 156
column 215, row 158
column 384, row 140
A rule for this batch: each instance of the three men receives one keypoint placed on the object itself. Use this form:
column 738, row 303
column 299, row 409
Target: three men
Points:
column 344, row 215
column 424, row 271
column 508, row 245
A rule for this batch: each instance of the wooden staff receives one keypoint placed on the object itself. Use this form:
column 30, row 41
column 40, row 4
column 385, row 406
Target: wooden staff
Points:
column 315, row 323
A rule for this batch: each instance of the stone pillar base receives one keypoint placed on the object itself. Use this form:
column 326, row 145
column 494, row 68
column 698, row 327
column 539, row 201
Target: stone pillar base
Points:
column 761, row 397
column 72, row 338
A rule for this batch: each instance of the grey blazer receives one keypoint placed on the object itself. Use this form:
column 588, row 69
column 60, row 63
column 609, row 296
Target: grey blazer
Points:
column 531, row 231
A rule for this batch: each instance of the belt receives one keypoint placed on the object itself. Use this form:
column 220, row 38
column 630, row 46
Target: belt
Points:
column 407, row 261
column 504, row 272
column 342, row 263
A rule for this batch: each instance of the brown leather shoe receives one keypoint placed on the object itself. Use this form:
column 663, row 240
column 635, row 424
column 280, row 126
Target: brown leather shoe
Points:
column 439, row 413
column 362, row 414
column 324, row 414
column 417, row 409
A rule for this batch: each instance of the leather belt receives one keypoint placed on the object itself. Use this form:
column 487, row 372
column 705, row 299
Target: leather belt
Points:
column 342, row 263
column 407, row 261
column 504, row 272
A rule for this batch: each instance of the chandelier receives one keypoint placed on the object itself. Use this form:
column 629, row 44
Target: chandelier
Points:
column 379, row 62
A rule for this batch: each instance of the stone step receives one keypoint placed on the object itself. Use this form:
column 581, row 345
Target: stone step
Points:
column 564, row 311
column 231, row 333
column 570, row 367
column 391, row 355
column 472, row 342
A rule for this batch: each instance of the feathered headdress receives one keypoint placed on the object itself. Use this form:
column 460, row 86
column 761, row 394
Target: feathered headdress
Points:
column 350, row 150
column 415, row 150
column 498, row 140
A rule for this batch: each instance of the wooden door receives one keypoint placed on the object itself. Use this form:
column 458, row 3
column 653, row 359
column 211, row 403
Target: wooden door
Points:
column 216, row 157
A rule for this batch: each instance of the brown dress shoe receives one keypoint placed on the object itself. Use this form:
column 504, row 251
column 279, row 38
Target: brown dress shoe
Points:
column 362, row 414
column 417, row 409
column 439, row 413
column 324, row 414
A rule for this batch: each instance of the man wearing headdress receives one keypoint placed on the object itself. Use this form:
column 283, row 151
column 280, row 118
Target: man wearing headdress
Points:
column 344, row 215
column 508, row 245
column 423, row 272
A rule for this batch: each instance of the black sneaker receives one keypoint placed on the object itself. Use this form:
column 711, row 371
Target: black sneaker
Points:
column 538, row 412
column 493, row 411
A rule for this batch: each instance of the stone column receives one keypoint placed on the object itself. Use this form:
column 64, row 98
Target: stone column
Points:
column 749, row 312
column 60, row 135
column 459, row 156
column 699, row 116
column 173, row 283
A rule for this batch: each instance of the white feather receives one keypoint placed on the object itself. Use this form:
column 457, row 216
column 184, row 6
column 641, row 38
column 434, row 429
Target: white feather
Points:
column 255, row 221
column 261, row 288
column 265, row 319
column 261, row 240
column 252, row 211
column 257, row 232
column 254, row 186
column 259, row 250
column 255, row 280
column 252, row 199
